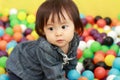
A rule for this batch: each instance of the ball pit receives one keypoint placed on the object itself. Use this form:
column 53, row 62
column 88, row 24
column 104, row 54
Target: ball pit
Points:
column 98, row 50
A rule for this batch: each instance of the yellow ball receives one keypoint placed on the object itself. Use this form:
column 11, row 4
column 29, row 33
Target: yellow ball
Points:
column 10, row 50
column 95, row 26
column 21, row 15
column 35, row 35
column 31, row 18
column 2, row 70
column 109, row 60
column 100, row 30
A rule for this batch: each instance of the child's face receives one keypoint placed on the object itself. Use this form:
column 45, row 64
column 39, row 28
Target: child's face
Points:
column 59, row 33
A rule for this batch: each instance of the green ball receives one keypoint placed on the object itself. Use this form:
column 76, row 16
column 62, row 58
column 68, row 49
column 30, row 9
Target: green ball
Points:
column 81, row 59
column 14, row 22
column 95, row 46
column 9, row 31
column 23, row 22
column 87, row 53
column 31, row 26
column 104, row 48
column 3, row 60
column 13, row 16
column 88, row 26
column 115, row 47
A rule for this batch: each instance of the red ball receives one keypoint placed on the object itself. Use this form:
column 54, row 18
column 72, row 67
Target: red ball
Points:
column 98, row 58
column 79, row 53
column 101, row 23
column 100, row 72
column 90, row 19
column 112, row 52
column 7, row 37
column 87, row 38
column 85, row 33
column 100, row 52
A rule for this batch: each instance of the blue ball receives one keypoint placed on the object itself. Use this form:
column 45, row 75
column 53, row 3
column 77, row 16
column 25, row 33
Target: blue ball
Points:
column 114, row 71
column 116, row 63
column 1, row 32
column 117, row 78
column 12, row 43
column 4, row 77
column 89, row 74
column 73, row 74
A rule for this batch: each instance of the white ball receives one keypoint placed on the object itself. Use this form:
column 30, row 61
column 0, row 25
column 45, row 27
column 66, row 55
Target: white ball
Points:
column 23, row 27
column 82, row 45
column 117, row 40
column 13, row 11
column 79, row 67
column 89, row 42
column 106, row 28
column 112, row 34
column 111, row 77
column 117, row 30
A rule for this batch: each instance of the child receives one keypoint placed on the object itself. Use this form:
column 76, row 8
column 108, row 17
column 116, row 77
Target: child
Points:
column 54, row 53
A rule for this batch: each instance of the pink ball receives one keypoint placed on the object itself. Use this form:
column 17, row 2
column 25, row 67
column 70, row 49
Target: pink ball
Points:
column 101, row 23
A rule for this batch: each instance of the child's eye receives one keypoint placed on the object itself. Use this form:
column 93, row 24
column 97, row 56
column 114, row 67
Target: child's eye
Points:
column 51, row 29
column 64, row 26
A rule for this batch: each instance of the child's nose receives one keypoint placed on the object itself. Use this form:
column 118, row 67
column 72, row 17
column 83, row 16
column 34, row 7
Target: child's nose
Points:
column 58, row 32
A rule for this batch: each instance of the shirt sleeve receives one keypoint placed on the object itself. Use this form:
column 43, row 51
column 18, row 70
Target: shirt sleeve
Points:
column 52, row 69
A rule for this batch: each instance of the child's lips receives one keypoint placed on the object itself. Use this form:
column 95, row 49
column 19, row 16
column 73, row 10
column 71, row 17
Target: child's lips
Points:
column 60, row 40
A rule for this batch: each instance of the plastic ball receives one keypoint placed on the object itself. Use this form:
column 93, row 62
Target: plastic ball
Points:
column 13, row 11
column 89, row 66
column 89, row 42
column 87, row 60
column 3, row 60
column 114, row 71
column 12, row 43
column 31, row 26
column 90, row 19
column 117, row 30
column 7, row 37
column 23, row 27
column 2, row 70
column 108, row 41
column 82, row 16
column 84, row 21
column 108, row 20
column 95, row 46
column 87, row 38
column 109, row 60
column 112, row 52
column 97, row 18
column 82, row 45
column 3, row 44
column 34, row 34
column 30, row 37
column 73, row 74
column 4, row 77
column 98, row 58
column 17, row 28
column 3, row 53
column 101, row 23
column 116, row 63
column 101, row 64
column 9, row 31
column 12, row 16
column 82, row 78
column 27, row 31
column 17, row 36
column 1, row 32
column 100, row 72
column 104, row 48
column 79, row 53
column 10, row 50
column 112, row 34
column 23, row 39
column 116, row 78
column 79, row 67
column 81, row 59
column 111, row 77
column 14, row 22
column 93, row 31
column 100, row 52
column 115, row 47
column 31, row 18
column 89, row 74
column 21, row 15
column 87, row 53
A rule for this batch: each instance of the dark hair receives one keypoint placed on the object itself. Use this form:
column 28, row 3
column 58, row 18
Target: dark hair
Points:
column 56, row 7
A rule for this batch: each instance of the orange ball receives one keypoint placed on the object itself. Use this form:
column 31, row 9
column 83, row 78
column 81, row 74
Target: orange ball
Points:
column 17, row 28
column 4, row 18
column 100, row 52
column 98, row 58
column 3, row 44
column 82, row 78
column 17, row 36
column 87, row 38
column 114, row 22
column 101, row 23
column 30, row 37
